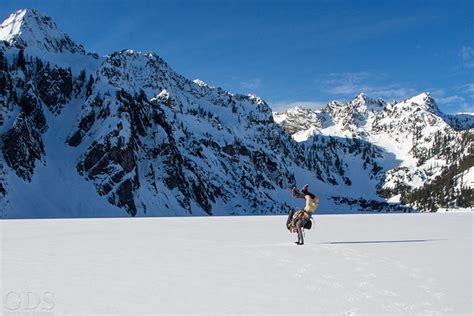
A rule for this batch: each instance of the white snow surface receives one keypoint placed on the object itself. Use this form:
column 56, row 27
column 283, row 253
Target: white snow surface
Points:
column 350, row 265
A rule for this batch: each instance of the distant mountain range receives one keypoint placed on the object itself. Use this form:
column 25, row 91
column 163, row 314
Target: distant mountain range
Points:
column 124, row 134
column 427, row 156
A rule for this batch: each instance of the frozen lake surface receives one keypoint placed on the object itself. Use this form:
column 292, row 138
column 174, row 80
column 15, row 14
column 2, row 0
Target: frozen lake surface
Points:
column 350, row 264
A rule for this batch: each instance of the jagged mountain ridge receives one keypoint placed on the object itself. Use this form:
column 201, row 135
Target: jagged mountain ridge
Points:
column 424, row 141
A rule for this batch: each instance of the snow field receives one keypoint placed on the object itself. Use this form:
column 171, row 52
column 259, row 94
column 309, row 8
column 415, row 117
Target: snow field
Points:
column 350, row 264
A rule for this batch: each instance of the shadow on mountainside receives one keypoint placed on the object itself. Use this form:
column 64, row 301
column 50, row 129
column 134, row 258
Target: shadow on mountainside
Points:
column 354, row 171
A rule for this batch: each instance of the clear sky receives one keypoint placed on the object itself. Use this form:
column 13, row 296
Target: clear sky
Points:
column 288, row 52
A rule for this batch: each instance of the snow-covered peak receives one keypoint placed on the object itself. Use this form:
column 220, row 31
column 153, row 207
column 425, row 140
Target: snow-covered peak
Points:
column 10, row 28
column 256, row 99
column 164, row 94
column 426, row 101
column 133, row 70
column 200, row 83
column 364, row 116
column 362, row 97
column 29, row 29
column 299, row 110
column 362, row 101
column 421, row 98
column 300, row 119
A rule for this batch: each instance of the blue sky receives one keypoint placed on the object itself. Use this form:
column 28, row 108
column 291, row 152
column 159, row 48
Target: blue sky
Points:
column 288, row 52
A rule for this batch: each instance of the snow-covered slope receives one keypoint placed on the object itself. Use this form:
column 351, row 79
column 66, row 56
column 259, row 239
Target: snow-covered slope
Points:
column 385, row 264
column 417, row 141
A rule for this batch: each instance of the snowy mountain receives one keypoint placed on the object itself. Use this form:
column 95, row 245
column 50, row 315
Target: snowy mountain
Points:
column 89, row 136
column 124, row 134
column 419, row 145
column 460, row 121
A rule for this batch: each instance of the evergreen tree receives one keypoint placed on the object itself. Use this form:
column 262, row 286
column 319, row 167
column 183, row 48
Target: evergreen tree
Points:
column 82, row 76
column 90, row 83
column 20, row 61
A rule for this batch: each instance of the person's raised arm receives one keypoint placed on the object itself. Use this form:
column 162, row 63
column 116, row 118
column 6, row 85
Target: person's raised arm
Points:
column 308, row 202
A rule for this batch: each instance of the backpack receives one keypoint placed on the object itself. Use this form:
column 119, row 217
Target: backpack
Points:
column 289, row 219
column 292, row 219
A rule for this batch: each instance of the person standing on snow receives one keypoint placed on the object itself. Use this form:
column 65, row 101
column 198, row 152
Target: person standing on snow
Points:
column 301, row 219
